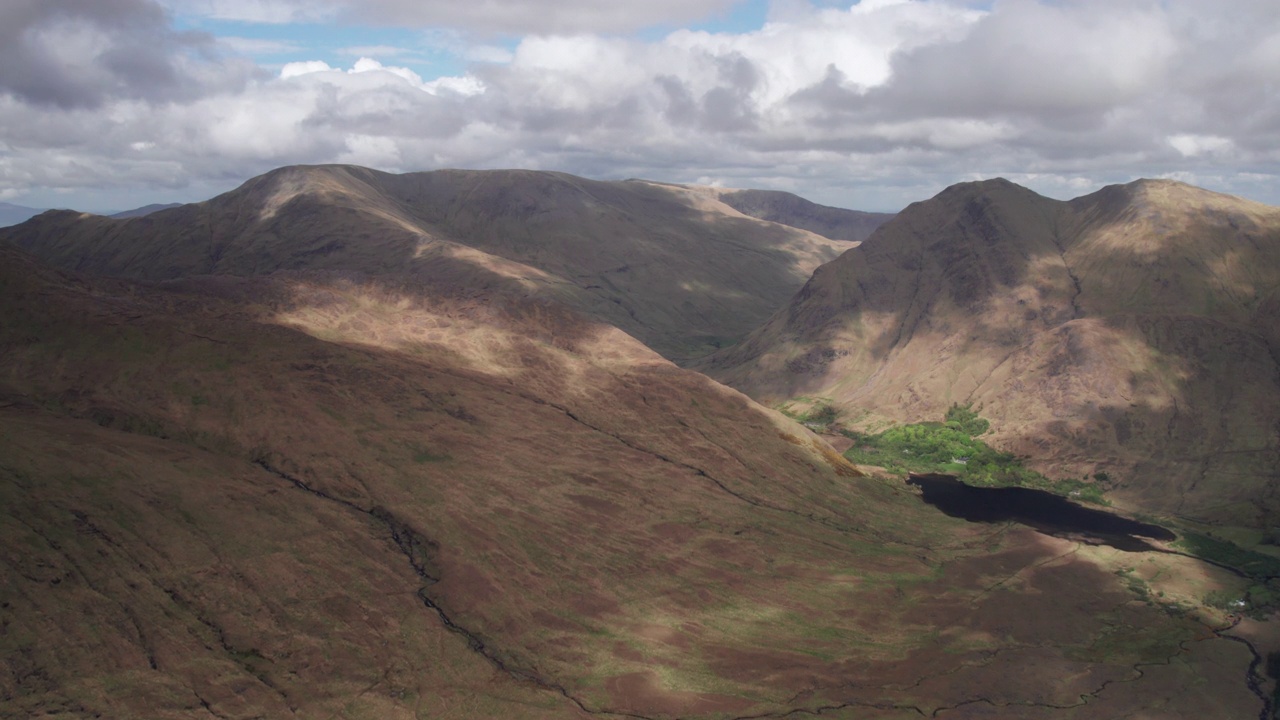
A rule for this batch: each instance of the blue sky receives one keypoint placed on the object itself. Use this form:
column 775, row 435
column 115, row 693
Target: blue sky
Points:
column 431, row 52
column 870, row 105
column 270, row 45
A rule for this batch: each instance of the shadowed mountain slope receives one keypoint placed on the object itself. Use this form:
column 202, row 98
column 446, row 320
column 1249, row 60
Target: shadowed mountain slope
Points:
column 329, row 495
column 682, row 272
column 788, row 209
column 1134, row 331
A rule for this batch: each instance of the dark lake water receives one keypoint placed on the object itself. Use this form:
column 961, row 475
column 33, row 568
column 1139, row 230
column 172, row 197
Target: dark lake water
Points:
column 1048, row 513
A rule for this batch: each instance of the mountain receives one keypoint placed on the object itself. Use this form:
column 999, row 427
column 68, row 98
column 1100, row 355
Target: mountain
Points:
column 1133, row 332
column 677, row 269
column 145, row 210
column 788, row 209
column 327, row 494
column 11, row 214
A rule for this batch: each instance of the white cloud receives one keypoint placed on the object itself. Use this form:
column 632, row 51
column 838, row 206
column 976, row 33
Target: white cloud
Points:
column 365, row 64
column 306, row 67
column 1196, row 145
column 371, row 151
column 872, row 105
column 463, row 86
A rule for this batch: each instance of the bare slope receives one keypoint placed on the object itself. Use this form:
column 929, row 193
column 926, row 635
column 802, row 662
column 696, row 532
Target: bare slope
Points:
column 682, row 274
column 1133, row 331
column 329, row 496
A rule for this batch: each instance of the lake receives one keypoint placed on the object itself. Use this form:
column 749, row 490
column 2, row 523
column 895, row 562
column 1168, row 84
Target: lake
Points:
column 1048, row 513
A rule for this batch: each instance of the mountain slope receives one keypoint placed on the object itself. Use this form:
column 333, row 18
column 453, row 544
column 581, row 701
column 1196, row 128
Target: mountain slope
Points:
column 1133, row 331
column 793, row 210
column 330, row 495
column 681, row 272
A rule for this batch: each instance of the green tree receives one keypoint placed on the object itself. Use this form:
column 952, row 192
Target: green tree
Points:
column 963, row 418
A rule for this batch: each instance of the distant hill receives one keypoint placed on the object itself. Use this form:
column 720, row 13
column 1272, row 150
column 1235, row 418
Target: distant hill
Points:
column 788, row 209
column 145, row 210
column 11, row 214
column 679, row 270
column 1134, row 332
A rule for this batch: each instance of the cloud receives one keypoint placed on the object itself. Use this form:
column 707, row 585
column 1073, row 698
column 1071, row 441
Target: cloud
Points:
column 1038, row 60
column 333, row 77
column 81, row 53
column 259, row 46
column 258, row 11
column 457, row 43
column 305, row 67
column 872, row 105
column 1193, row 145
column 513, row 17
column 383, row 51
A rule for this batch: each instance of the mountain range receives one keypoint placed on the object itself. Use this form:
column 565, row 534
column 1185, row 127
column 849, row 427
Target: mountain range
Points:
column 145, row 210
column 341, row 443
column 674, row 267
column 11, row 214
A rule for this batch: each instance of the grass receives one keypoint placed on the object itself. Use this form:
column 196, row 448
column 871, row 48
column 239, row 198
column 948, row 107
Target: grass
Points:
column 1260, row 596
column 423, row 455
column 953, row 447
column 820, row 414
column 1254, row 564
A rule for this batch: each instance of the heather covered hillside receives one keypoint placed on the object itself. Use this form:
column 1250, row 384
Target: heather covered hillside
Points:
column 319, row 494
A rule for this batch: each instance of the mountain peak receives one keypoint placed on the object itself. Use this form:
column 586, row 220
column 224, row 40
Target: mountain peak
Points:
column 1174, row 206
column 1107, row 326
column 987, row 185
column 998, row 190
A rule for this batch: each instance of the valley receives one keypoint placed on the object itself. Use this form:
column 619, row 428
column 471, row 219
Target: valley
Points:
column 342, row 443
column 1129, row 334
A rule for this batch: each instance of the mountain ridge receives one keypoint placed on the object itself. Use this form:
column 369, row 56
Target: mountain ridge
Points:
column 657, row 261
column 790, row 209
column 1080, row 327
column 319, row 490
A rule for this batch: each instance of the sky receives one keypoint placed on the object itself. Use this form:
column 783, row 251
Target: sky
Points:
column 113, row 104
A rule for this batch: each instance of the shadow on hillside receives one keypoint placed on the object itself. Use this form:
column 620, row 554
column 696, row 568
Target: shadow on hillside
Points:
column 678, row 278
